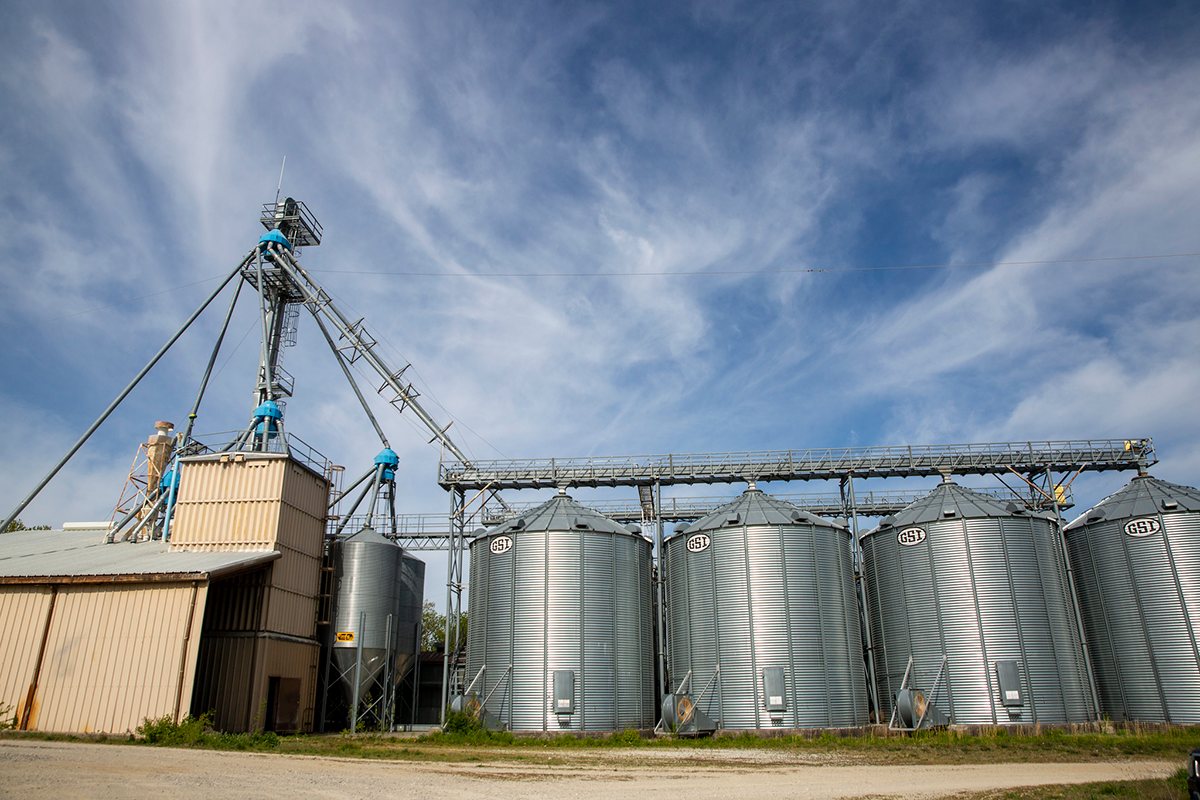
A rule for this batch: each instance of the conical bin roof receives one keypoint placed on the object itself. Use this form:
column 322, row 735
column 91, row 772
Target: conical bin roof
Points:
column 755, row 508
column 950, row 501
column 560, row 513
column 1141, row 497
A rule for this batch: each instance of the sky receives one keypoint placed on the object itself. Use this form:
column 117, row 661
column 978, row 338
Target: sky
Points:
column 608, row 228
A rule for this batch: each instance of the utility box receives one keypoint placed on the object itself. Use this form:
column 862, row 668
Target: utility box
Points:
column 564, row 691
column 774, row 690
column 1008, row 674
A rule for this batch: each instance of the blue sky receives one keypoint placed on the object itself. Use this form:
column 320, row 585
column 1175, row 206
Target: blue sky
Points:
column 463, row 143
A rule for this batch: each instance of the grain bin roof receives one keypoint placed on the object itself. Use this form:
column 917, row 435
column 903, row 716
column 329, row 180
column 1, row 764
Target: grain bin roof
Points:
column 560, row 513
column 81, row 557
column 755, row 508
column 950, row 501
column 1142, row 496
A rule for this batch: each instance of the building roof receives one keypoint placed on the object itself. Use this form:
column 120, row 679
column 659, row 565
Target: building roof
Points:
column 82, row 557
column 560, row 513
column 753, row 508
column 1141, row 497
column 949, row 501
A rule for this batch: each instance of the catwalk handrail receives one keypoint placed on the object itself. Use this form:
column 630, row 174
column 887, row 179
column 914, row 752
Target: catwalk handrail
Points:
column 811, row 464
column 431, row 531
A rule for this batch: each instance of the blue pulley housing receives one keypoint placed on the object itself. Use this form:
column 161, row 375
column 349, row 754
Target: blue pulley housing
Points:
column 387, row 456
column 267, row 414
column 169, row 477
column 274, row 236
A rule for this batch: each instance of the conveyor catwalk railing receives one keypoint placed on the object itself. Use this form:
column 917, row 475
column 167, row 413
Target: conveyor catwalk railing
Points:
column 431, row 532
column 1028, row 458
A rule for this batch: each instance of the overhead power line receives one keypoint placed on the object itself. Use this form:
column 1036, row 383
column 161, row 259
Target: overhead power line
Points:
column 808, row 270
column 741, row 271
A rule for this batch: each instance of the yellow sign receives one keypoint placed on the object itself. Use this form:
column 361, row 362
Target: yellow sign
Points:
column 345, row 636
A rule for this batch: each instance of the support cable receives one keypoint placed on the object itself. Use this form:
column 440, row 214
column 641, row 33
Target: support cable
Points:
column 211, row 362
column 112, row 406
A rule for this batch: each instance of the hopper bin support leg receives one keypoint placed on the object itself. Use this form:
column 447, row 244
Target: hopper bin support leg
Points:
column 362, row 626
column 662, row 610
column 1087, row 658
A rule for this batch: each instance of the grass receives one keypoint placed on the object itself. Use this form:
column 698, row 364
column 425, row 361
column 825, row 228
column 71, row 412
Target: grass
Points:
column 1173, row 788
column 464, row 739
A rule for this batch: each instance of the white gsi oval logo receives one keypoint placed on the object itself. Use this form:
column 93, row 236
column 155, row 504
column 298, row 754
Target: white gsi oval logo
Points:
column 1142, row 527
column 699, row 542
column 910, row 536
column 501, row 544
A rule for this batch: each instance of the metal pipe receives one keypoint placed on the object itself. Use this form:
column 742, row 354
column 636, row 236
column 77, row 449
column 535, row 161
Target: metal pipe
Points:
column 111, row 536
column 112, row 406
column 133, row 534
column 353, row 383
column 388, row 666
column 662, row 610
column 352, row 487
column 416, row 673
column 362, row 626
column 212, row 360
column 350, row 513
column 455, row 523
column 264, row 356
column 860, row 584
column 379, row 468
column 1087, row 657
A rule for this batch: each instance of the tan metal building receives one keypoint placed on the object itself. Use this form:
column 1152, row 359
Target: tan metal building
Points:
column 98, row 637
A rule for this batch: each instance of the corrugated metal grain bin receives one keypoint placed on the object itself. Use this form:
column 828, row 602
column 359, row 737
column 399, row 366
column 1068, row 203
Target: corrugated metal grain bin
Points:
column 1136, row 560
column 560, row 615
column 960, row 577
column 375, row 578
column 765, row 591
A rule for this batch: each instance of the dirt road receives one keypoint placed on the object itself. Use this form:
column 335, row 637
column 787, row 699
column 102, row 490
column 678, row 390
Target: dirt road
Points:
column 70, row 770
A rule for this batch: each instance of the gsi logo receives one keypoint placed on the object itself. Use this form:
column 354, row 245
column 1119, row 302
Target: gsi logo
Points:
column 910, row 536
column 699, row 542
column 1142, row 527
column 501, row 544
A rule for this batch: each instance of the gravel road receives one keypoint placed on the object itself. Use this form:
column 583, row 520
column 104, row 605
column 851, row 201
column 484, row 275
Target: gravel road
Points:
column 69, row 770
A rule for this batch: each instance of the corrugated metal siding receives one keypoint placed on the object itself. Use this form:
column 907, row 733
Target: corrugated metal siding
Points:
column 1140, row 602
column 563, row 600
column 232, row 675
column 761, row 597
column 260, row 502
column 113, row 656
column 977, row 591
column 22, row 622
column 223, row 683
column 230, row 505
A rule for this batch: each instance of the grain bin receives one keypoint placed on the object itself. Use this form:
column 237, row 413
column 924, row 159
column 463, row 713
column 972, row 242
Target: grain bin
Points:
column 976, row 593
column 764, row 591
column 1136, row 560
column 373, row 579
column 560, row 634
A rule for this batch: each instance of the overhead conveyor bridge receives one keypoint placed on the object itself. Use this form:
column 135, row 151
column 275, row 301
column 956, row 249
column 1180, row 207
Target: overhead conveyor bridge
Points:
column 431, row 532
column 1026, row 458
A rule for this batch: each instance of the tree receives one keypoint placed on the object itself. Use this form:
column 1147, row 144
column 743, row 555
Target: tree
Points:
column 433, row 628
column 17, row 525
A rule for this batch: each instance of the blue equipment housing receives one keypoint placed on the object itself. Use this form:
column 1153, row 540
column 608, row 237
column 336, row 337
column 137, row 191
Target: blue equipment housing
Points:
column 387, row 456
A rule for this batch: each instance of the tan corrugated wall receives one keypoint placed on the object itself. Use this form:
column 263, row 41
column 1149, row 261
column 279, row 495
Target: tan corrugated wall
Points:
column 255, row 501
column 260, row 502
column 22, row 621
column 227, row 686
column 118, row 654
